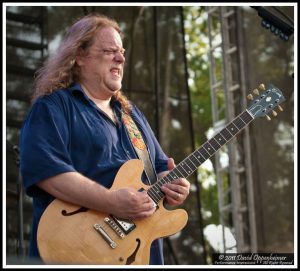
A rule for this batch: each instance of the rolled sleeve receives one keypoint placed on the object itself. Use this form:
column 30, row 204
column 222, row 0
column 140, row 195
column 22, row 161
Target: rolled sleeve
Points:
column 43, row 145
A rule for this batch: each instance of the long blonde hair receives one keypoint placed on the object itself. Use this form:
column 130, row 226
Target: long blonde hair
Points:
column 60, row 70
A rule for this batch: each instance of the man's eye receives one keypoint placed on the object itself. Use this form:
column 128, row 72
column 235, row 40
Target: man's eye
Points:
column 108, row 51
column 114, row 52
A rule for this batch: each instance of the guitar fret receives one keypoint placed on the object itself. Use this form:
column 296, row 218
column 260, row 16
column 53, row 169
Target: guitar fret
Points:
column 239, row 123
column 198, row 161
column 153, row 196
column 169, row 178
column 220, row 139
column 235, row 125
column 209, row 148
column 243, row 123
column 188, row 164
column 181, row 165
column 173, row 175
column 212, row 145
column 232, row 129
column 246, row 117
column 202, row 156
column 199, row 156
column 166, row 179
column 204, row 153
column 158, row 191
column 161, row 182
column 184, row 164
column 226, row 134
column 215, row 143
column 195, row 165
column 180, row 175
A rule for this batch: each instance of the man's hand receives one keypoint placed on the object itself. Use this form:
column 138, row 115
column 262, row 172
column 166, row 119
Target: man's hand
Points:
column 131, row 204
column 177, row 191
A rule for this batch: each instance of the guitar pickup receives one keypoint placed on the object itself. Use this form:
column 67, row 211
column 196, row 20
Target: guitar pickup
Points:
column 114, row 227
column 125, row 225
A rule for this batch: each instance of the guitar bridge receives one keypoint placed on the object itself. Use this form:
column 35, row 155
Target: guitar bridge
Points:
column 125, row 225
column 105, row 235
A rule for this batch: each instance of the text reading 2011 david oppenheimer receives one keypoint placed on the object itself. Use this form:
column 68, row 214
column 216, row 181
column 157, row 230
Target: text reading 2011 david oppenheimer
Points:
column 253, row 258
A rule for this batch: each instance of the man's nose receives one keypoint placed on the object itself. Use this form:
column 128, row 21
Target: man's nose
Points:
column 119, row 57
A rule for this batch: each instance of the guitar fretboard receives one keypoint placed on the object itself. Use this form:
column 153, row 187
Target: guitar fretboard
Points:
column 194, row 160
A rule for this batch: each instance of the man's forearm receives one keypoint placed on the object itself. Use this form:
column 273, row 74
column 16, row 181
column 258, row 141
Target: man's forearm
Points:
column 77, row 189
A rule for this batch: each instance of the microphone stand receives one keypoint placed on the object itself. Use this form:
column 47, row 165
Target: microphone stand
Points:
column 20, row 248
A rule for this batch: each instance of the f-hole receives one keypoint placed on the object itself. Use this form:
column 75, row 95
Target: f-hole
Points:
column 131, row 258
column 80, row 210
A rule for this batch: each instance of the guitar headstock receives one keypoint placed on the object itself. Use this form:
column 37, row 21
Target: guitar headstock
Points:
column 265, row 102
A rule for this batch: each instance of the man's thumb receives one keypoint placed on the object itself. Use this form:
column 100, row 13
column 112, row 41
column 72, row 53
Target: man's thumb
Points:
column 171, row 163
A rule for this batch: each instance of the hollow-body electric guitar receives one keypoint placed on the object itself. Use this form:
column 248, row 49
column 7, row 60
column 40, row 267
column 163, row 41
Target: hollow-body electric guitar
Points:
column 71, row 234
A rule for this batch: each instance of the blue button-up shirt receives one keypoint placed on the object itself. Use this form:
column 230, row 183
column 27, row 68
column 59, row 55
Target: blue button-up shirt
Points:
column 66, row 132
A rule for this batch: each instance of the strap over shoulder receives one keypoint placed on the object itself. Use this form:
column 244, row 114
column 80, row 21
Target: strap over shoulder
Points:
column 139, row 145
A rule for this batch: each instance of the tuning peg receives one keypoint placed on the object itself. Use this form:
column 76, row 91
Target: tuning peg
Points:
column 262, row 87
column 250, row 97
column 268, row 118
column 274, row 113
column 255, row 91
column 280, row 108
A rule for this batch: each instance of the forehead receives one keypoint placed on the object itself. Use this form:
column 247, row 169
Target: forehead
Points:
column 108, row 36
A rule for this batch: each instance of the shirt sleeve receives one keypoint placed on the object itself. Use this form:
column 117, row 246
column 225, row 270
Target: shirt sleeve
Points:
column 44, row 145
column 160, row 158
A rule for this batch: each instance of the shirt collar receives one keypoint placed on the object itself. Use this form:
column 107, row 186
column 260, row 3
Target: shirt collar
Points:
column 76, row 89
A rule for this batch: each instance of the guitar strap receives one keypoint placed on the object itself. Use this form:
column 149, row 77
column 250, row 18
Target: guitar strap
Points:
column 139, row 146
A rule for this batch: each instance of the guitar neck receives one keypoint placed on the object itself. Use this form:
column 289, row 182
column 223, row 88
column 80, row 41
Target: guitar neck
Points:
column 198, row 157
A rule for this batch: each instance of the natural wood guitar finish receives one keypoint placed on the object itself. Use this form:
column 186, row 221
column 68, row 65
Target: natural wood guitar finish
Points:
column 66, row 232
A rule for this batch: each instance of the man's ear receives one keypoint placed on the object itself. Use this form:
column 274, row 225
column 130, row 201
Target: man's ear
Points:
column 79, row 57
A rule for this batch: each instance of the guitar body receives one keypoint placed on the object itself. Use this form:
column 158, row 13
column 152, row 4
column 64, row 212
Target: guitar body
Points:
column 66, row 232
